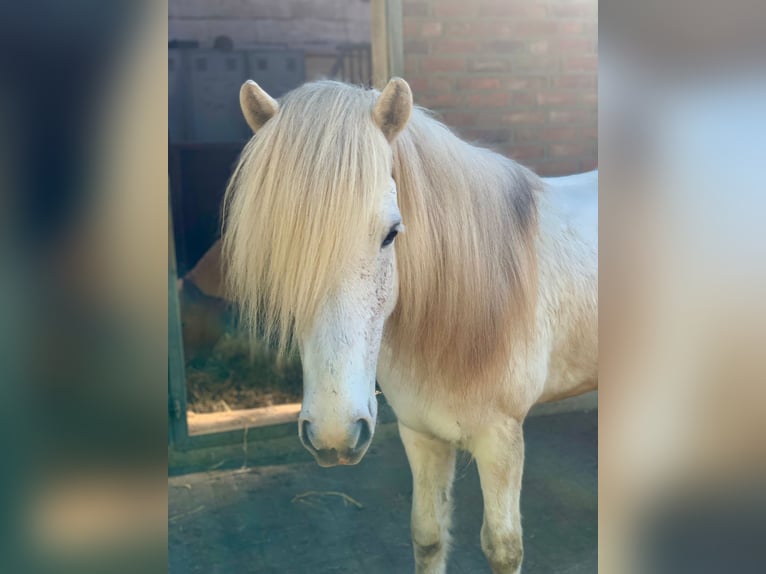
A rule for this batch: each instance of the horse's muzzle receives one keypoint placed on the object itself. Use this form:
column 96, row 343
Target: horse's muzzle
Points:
column 341, row 448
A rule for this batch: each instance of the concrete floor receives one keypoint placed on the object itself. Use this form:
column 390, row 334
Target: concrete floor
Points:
column 248, row 520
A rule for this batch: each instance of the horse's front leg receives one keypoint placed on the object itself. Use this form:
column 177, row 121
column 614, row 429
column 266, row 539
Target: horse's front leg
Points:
column 499, row 454
column 433, row 467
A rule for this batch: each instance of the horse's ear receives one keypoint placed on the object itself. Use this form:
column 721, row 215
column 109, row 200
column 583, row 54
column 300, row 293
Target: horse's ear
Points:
column 258, row 107
column 393, row 108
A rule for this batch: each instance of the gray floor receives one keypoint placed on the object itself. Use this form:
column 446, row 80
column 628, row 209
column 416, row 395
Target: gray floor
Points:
column 248, row 520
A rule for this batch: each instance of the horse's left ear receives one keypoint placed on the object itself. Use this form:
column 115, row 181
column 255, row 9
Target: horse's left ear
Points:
column 393, row 108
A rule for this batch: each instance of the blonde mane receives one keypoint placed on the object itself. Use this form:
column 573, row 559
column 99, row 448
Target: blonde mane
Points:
column 308, row 185
column 303, row 190
column 467, row 263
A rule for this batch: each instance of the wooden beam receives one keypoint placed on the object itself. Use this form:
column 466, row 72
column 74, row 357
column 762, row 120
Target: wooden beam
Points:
column 207, row 423
column 394, row 34
column 386, row 42
column 379, row 43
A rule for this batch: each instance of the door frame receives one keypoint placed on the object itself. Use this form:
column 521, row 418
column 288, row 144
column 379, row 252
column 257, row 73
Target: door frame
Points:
column 386, row 41
column 387, row 61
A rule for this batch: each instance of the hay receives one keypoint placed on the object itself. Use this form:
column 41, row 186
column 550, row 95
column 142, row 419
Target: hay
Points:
column 236, row 375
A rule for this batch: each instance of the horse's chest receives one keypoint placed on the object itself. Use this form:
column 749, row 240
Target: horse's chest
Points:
column 429, row 413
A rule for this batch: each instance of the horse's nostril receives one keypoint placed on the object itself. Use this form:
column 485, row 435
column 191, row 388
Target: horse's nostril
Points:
column 305, row 433
column 365, row 433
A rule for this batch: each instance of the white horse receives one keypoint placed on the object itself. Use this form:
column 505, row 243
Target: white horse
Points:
column 387, row 248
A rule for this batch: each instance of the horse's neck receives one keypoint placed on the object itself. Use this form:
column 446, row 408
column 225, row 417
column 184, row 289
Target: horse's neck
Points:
column 468, row 257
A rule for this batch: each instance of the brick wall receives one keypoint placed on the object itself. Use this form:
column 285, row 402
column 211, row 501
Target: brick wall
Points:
column 517, row 75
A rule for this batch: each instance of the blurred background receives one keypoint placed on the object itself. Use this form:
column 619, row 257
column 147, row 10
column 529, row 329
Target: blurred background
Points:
column 83, row 288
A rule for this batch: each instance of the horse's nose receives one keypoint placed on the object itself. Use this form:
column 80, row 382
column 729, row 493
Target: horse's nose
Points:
column 344, row 447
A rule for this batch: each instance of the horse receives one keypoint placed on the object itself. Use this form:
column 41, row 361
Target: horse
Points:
column 361, row 230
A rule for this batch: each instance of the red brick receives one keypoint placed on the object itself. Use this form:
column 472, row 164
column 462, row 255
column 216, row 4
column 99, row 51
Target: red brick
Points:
column 531, row 117
column 441, row 83
column 411, row 64
column 558, row 167
column 491, row 119
column 459, row 119
column 487, row 65
column 581, row 64
column 478, row 83
column 526, row 134
column 431, row 29
column 574, row 82
column 506, row 9
column 419, row 84
column 440, row 100
column 442, row 64
column 535, row 28
column 488, row 136
column 526, row 64
column 569, row 28
column 458, row 29
column 557, row 134
column 558, row 98
column 489, row 100
column 411, row 27
column 415, row 46
column 571, row 11
column 507, row 46
column 524, row 99
column 539, row 47
column 482, row 29
column 525, row 152
column 502, row 71
column 569, row 116
column 567, row 150
column 455, row 9
column 525, row 83
column 497, row 30
column 449, row 46
column 575, row 45
column 414, row 8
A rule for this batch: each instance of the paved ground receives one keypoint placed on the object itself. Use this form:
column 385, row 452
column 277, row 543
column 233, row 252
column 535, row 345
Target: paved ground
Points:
column 248, row 520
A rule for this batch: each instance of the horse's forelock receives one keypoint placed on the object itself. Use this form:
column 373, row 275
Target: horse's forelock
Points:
column 303, row 193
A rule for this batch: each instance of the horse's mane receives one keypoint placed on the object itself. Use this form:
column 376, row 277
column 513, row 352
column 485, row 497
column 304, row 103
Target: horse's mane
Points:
column 467, row 263
column 309, row 184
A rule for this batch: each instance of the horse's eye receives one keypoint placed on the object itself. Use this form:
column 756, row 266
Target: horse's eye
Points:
column 390, row 237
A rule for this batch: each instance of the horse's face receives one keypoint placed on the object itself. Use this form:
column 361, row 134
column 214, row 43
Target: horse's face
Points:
column 340, row 344
column 340, row 352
